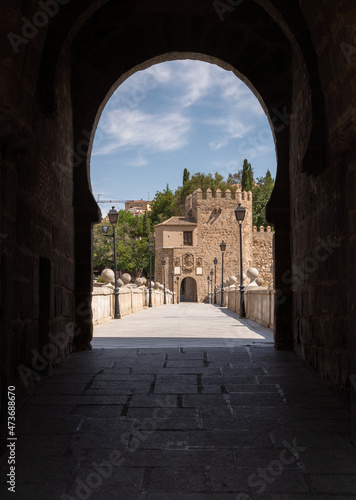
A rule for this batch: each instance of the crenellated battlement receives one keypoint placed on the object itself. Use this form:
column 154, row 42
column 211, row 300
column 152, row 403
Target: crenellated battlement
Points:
column 238, row 195
column 220, row 199
column 262, row 229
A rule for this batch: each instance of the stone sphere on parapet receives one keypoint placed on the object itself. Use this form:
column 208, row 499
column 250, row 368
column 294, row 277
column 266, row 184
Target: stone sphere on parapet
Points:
column 252, row 273
column 157, row 285
column 152, row 284
column 259, row 281
column 126, row 278
column 144, row 281
column 120, row 283
column 139, row 281
column 108, row 276
column 232, row 280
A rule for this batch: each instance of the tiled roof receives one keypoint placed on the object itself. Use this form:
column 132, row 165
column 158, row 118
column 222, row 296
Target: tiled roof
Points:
column 179, row 221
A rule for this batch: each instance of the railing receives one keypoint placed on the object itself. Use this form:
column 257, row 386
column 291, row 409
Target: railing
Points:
column 259, row 303
column 131, row 300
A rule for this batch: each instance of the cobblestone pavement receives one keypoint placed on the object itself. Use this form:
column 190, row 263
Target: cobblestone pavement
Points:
column 180, row 421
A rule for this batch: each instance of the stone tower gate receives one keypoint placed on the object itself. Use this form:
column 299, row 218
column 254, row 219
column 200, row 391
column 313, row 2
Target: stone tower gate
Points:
column 209, row 221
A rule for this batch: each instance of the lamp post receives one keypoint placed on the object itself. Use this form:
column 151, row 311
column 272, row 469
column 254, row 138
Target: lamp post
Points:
column 150, row 250
column 215, row 264
column 172, row 274
column 177, row 289
column 164, row 279
column 211, row 288
column 240, row 215
column 222, row 248
column 113, row 218
column 208, row 278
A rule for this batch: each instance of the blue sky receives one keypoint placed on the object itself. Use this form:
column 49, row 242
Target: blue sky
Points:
column 174, row 115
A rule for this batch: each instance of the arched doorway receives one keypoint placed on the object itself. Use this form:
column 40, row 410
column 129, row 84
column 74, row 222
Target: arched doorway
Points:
column 188, row 290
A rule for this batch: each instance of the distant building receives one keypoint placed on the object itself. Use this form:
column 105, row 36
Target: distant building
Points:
column 190, row 243
column 137, row 207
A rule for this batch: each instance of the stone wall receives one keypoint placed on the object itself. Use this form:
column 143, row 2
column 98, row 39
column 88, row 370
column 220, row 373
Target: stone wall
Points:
column 323, row 203
column 259, row 303
column 131, row 300
column 216, row 221
column 262, row 252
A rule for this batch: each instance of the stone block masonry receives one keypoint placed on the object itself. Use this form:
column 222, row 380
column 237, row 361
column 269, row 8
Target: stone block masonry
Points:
column 262, row 252
column 211, row 219
column 298, row 57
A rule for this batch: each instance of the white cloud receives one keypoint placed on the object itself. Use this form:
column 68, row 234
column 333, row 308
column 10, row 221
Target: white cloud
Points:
column 140, row 161
column 163, row 122
column 195, row 80
column 231, row 126
column 216, row 145
column 251, row 148
column 154, row 132
column 161, row 73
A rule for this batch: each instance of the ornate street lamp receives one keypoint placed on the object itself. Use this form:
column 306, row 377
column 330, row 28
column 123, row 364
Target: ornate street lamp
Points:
column 178, row 290
column 150, row 250
column 113, row 218
column 215, row 264
column 211, row 290
column 240, row 215
column 163, row 262
column 172, row 274
column 222, row 248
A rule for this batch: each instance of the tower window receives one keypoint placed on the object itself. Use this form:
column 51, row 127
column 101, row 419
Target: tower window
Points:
column 188, row 238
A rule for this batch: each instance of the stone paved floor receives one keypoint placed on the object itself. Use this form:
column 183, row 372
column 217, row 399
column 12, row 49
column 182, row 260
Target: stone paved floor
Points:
column 183, row 422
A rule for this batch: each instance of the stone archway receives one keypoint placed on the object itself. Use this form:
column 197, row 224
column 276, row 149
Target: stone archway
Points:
column 188, row 290
column 297, row 57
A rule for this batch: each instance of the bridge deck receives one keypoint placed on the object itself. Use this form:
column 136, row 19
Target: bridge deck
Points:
column 217, row 417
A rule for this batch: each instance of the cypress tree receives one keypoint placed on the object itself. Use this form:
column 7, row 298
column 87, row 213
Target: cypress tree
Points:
column 186, row 176
column 247, row 180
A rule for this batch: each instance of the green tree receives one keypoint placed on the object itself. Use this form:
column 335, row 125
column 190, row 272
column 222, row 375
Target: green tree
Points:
column 163, row 206
column 133, row 255
column 247, row 180
column 234, row 178
column 261, row 193
column 132, row 236
column 186, row 176
column 102, row 249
